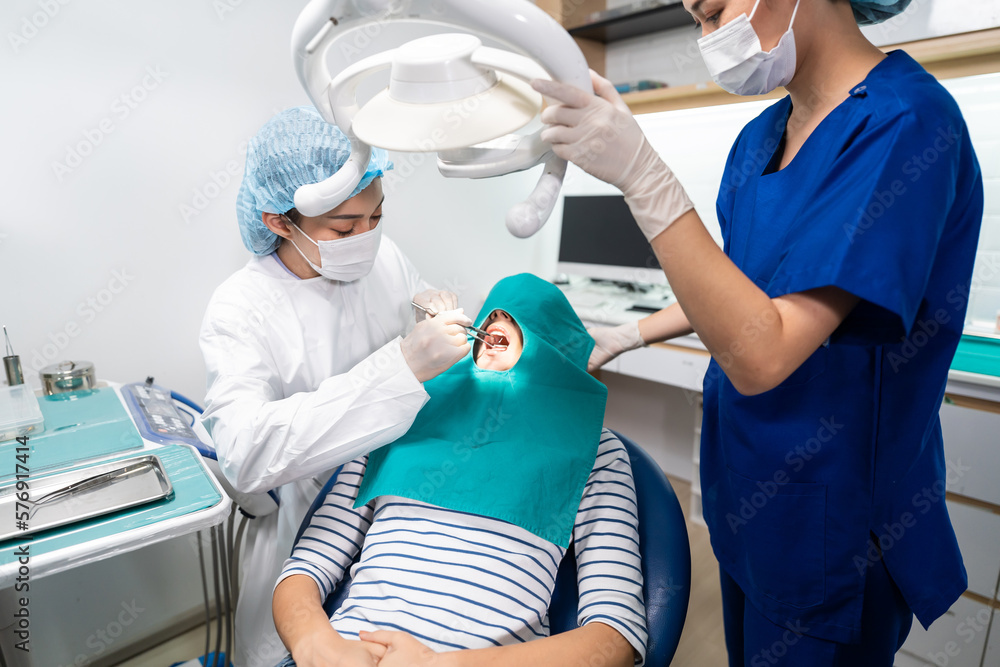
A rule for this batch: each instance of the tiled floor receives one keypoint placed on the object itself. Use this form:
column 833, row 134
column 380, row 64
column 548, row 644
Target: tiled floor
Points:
column 701, row 642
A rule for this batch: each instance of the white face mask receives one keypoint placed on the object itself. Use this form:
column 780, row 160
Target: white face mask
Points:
column 347, row 259
column 738, row 63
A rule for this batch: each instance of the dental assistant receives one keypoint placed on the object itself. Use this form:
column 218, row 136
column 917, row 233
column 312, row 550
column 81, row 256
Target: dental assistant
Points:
column 312, row 352
column 850, row 212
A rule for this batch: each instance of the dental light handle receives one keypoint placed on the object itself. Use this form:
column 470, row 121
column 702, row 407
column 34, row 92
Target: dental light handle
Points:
column 527, row 217
column 318, row 198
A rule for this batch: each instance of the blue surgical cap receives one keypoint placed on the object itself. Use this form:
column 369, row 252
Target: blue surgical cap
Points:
column 295, row 148
column 870, row 12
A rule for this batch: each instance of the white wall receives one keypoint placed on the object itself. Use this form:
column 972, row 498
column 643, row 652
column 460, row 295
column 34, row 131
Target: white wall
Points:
column 100, row 259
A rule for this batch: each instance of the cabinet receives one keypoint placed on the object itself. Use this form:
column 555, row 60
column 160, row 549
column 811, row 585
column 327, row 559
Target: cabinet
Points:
column 963, row 636
column 639, row 18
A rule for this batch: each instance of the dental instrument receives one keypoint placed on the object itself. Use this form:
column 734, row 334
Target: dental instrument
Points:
column 493, row 341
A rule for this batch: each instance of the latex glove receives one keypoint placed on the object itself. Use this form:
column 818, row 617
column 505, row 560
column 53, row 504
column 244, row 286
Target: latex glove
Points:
column 599, row 134
column 402, row 649
column 437, row 301
column 612, row 341
column 436, row 344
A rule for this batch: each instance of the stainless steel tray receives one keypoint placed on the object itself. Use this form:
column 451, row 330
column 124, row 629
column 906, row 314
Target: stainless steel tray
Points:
column 81, row 493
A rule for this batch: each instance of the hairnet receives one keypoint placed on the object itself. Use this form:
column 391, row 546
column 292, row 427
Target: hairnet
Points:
column 870, row 12
column 295, row 148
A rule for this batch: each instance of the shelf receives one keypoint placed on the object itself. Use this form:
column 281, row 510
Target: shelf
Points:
column 635, row 23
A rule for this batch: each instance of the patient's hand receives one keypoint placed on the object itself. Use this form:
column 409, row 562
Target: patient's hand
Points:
column 332, row 650
column 402, row 649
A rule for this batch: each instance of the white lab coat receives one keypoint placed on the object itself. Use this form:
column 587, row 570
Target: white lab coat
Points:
column 303, row 375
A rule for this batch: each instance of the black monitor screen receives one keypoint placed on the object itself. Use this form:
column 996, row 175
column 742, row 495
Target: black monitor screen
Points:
column 600, row 229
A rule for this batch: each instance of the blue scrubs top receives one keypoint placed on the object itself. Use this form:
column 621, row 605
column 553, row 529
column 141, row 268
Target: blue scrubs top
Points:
column 808, row 485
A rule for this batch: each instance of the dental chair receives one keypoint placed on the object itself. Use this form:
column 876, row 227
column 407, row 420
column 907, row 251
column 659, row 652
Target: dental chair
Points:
column 663, row 545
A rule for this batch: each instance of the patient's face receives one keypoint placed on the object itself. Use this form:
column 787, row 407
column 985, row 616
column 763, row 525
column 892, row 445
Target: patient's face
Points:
column 494, row 359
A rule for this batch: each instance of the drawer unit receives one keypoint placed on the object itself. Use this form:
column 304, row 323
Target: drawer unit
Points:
column 972, row 448
column 978, row 532
column 957, row 639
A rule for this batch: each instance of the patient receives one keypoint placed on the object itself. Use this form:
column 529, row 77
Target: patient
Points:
column 458, row 527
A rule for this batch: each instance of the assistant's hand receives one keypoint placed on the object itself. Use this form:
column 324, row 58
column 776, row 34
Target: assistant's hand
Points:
column 332, row 650
column 599, row 134
column 401, row 649
column 595, row 132
column 612, row 341
column 436, row 344
column 436, row 301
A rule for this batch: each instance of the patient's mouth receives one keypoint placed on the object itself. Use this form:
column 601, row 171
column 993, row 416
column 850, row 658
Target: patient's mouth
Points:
column 497, row 338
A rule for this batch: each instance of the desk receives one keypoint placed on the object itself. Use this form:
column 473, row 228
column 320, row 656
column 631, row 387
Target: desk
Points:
column 197, row 502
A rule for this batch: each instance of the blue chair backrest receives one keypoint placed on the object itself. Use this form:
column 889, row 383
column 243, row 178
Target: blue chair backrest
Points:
column 666, row 561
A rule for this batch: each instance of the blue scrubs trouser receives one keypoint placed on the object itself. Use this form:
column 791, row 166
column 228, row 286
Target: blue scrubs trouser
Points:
column 754, row 641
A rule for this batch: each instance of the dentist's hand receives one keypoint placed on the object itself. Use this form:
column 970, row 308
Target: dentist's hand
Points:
column 612, row 341
column 599, row 134
column 436, row 301
column 436, row 344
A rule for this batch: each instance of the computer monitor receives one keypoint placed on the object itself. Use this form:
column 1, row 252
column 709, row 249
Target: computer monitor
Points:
column 600, row 239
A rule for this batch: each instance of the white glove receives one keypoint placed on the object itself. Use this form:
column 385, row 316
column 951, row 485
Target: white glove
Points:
column 612, row 341
column 436, row 301
column 436, row 344
column 599, row 134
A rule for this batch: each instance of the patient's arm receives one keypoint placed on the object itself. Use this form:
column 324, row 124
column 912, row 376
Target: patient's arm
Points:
column 318, row 562
column 306, row 631
column 566, row 649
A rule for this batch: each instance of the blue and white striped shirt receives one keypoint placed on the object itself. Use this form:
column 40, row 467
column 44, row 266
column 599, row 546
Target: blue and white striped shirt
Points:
column 456, row 580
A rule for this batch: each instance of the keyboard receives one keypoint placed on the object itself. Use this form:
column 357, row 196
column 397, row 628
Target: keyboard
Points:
column 610, row 306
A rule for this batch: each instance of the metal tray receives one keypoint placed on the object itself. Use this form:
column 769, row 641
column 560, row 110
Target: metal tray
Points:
column 81, row 493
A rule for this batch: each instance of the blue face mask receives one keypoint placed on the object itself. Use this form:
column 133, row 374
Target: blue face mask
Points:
column 739, row 64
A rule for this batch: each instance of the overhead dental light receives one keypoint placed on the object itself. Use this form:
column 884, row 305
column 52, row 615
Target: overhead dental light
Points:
column 447, row 94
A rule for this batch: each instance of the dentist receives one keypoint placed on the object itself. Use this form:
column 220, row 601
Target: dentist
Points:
column 850, row 212
column 312, row 352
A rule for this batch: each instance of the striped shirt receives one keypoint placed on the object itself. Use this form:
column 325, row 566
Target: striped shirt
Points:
column 456, row 580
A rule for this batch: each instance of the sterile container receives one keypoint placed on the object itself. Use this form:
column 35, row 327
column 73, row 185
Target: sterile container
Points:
column 68, row 376
column 20, row 413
